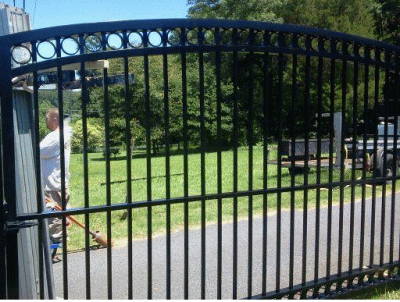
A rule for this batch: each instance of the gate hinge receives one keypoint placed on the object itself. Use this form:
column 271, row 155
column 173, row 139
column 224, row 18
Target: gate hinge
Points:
column 15, row 226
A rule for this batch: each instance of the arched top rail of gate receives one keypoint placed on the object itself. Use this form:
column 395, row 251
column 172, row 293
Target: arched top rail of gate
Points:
column 50, row 47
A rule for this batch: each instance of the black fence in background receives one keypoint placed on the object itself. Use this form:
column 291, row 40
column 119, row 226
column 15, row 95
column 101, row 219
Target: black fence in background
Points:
column 288, row 131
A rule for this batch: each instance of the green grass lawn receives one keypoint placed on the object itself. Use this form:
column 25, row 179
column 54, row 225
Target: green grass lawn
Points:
column 389, row 291
column 97, row 189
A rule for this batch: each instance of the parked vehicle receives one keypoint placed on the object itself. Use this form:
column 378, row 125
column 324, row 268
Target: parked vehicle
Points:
column 381, row 154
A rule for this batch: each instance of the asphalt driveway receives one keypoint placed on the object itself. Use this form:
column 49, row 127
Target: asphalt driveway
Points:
column 98, row 259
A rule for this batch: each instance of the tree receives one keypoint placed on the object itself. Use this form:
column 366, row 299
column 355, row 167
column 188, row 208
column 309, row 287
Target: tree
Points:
column 254, row 10
column 95, row 135
column 353, row 17
column 387, row 21
column 137, row 96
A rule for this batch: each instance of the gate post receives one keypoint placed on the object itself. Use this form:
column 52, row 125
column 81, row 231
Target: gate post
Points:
column 3, row 284
column 8, row 159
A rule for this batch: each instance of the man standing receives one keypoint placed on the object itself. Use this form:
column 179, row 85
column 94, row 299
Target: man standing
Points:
column 50, row 155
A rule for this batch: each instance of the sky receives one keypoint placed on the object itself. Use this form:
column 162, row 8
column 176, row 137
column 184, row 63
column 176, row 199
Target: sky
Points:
column 49, row 13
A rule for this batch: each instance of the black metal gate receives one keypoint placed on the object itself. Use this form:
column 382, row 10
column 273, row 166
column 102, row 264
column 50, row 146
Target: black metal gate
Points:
column 278, row 148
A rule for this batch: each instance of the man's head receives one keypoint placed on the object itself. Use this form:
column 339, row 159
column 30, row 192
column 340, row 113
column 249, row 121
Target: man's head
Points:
column 52, row 119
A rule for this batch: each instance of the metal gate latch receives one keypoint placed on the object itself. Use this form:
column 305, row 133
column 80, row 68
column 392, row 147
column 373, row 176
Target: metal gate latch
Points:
column 15, row 226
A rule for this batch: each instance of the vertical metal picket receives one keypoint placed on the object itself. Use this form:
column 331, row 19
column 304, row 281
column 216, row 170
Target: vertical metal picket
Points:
column 279, row 174
column 167, row 169
column 203, row 167
column 306, row 148
column 342, row 162
column 266, row 99
column 129, row 149
column 85, row 101
column 185, row 166
column 384, row 163
column 219, row 171
column 148, row 172
column 292, row 163
column 319, row 155
column 374, row 163
column 250, row 171
column 62, row 167
column 353, row 163
column 330, row 177
column 108, row 179
column 235, row 168
column 364, row 174
column 42, row 251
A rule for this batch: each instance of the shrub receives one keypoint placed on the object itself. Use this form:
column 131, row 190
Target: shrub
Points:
column 95, row 136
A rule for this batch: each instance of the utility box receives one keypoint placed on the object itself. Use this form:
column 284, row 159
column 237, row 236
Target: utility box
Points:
column 13, row 20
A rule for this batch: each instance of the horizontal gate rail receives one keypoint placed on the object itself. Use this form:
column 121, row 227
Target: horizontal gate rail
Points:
column 193, row 198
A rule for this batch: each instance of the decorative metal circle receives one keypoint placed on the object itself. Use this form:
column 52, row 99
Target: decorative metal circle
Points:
column 309, row 293
column 46, row 49
column 70, row 46
column 243, row 37
column 384, row 54
column 301, row 42
column 339, row 47
column 208, row 37
column 135, row 39
column 327, row 45
column 93, row 43
column 174, row 37
column 114, row 41
column 273, row 40
column 191, row 37
column 287, row 40
column 351, row 49
column 21, row 54
column 314, row 44
column 155, row 38
column 225, row 37
column 361, row 51
column 259, row 38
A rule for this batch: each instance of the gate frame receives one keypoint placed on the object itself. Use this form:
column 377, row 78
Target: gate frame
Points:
column 8, row 211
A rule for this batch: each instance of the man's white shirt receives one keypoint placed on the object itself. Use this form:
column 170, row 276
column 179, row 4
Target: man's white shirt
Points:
column 50, row 156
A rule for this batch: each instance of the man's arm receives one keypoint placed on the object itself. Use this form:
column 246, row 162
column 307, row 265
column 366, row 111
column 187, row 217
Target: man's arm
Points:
column 50, row 146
